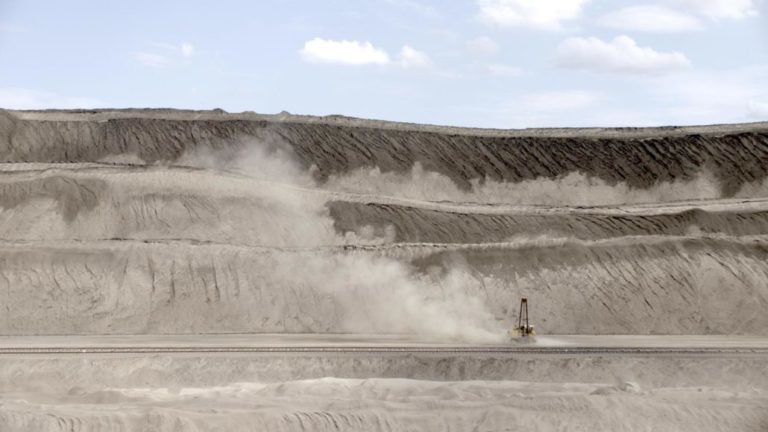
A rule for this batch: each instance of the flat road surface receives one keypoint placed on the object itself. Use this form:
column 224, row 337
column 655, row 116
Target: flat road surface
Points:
column 362, row 343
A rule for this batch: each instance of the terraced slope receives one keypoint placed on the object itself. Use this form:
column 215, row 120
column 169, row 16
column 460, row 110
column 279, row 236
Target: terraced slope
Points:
column 193, row 222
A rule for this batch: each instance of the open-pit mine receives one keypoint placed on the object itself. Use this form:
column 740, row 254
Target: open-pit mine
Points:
column 168, row 270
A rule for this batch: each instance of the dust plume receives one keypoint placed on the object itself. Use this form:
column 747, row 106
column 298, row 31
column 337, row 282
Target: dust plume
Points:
column 573, row 189
column 373, row 294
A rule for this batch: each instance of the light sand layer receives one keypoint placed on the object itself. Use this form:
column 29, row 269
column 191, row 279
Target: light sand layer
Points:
column 331, row 404
column 382, row 392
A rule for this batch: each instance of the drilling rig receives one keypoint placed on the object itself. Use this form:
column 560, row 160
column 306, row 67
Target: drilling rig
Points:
column 524, row 328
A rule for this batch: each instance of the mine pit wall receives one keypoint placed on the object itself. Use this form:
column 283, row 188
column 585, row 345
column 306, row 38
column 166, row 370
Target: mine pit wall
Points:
column 640, row 159
column 413, row 225
column 139, row 203
column 685, row 286
column 136, row 249
column 114, row 203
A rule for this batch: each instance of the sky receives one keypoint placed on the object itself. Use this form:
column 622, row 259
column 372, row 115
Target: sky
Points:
column 479, row 63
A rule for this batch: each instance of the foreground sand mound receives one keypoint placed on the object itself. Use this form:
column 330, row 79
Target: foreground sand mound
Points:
column 383, row 392
column 388, row 405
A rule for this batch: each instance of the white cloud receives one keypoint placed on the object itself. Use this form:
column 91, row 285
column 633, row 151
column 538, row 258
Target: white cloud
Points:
column 151, row 59
column 621, row 55
column 343, row 52
column 568, row 100
column 502, row 70
column 716, row 9
column 412, row 58
column 539, row 14
column 650, row 18
column 483, row 45
column 22, row 98
column 357, row 53
column 187, row 49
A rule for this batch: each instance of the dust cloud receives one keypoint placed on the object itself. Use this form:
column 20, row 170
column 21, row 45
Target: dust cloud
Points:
column 573, row 189
column 375, row 294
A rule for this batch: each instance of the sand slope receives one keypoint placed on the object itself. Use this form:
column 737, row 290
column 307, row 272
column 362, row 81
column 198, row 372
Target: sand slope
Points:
column 185, row 222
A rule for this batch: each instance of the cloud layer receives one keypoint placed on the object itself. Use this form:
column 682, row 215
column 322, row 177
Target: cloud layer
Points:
column 650, row 18
column 483, row 45
column 412, row 58
column 356, row 53
column 620, row 55
column 346, row 52
column 717, row 9
column 539, row 14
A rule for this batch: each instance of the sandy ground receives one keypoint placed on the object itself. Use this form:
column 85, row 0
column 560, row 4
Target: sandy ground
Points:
column 388, row 405
column 688, row 342
column 308, row 392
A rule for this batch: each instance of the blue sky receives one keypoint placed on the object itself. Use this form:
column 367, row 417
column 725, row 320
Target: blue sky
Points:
column 486, row 63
